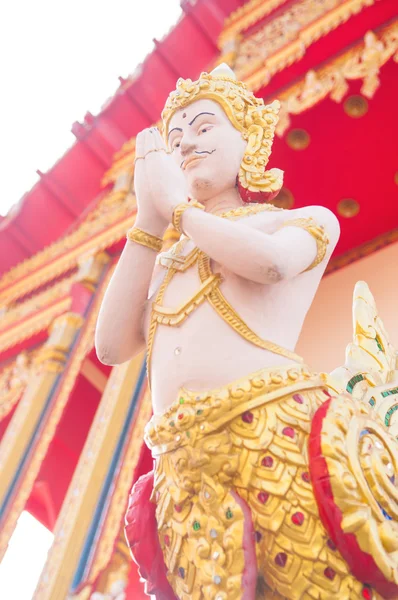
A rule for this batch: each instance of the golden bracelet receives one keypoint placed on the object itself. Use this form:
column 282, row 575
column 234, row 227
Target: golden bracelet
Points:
column 145, row 239
column 179, row 211
column 318, row 233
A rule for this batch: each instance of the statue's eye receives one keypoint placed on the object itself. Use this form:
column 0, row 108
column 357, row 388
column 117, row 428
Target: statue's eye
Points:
column 175, row 145
column 204, row 130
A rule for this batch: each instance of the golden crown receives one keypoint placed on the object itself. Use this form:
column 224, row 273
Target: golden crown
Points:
column 248, row 114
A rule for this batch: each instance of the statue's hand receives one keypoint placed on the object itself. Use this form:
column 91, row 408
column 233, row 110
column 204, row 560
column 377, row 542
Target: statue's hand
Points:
column 166, row 179
column 148, row 216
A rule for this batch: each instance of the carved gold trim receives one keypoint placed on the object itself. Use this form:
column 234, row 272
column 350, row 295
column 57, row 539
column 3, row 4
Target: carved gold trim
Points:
column 59, row 258
column 362, row 251
column 118, row 503
column 17, row 312
column 245, row 16
column 13, row 381
column 361, row 62
column 49, row 364
column 103, row 227
column 33, row 323
column 83, row 492
column 282, row 40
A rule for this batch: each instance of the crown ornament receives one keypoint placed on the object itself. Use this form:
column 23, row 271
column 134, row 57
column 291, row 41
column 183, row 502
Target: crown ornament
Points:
column 254, row 119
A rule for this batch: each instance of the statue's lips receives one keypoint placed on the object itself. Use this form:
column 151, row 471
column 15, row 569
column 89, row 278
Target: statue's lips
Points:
column 192, row 160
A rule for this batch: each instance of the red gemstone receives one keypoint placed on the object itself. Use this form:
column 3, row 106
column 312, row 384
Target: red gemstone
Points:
column 247, row 417
column 181, row 416
column 306, row 477
column 367, row 593
column 329, row 573
column 289, row 431
column 298, row 398
column 167, row 540
column 267, row 461
column 178, row 508
column 331, row 544
column 263, row 497
column 280, row 559
column 298, row 518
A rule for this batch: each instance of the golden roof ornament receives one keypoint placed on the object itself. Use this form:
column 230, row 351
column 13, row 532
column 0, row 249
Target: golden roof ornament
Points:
column 247, row 113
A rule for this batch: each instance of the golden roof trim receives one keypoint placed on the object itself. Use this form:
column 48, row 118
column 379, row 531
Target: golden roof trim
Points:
column 245, row 16
column 282, row 55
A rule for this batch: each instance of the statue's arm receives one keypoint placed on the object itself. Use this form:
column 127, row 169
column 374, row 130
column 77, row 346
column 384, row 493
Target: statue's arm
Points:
column 255, row 255
column 119, row 332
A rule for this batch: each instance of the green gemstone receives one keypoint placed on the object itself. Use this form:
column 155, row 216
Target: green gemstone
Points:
column 229, row 514
column 372, row 401
column 199, row 412
column 353, row 381
column 171, row 423
column 182, row 400
column 188, row 433
column 196, row 525
column 380, row 347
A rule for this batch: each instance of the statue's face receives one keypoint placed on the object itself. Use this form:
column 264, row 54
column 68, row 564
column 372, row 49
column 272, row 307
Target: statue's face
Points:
column 207, row 148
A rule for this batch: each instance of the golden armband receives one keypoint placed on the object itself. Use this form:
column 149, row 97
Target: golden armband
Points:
column 179, row 211
column 318, row 233
column 145, row 239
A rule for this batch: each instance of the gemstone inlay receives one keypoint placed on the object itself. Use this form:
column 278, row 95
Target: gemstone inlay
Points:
column 298, row 518
column 298, row 398
column 196, row 525
column 213, row 533
column 280, row 559
column 288, row 431
column 306, row 477
column 267, row 461
column 167, row 540
column 367, row 593
column 217, row 579
column 263, row 497
column 229, row 514
column 181, row 572
column 329, row 573
column 247, row 417
column 331, row 545
column 178, row 508
column 258, row 535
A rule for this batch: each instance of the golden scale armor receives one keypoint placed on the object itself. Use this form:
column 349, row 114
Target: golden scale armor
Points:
column 282, row 484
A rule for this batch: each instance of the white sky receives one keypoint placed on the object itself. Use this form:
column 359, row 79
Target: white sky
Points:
column 60, row 59
column 24, row 559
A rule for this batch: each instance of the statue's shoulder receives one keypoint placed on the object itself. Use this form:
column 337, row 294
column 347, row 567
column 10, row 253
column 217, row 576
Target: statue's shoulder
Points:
column 322, row 216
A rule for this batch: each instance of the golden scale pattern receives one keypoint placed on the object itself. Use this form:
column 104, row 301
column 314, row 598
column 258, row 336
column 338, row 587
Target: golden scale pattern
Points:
column 251, row 437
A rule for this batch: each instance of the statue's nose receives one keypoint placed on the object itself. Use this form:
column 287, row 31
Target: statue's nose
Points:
column 187, row 148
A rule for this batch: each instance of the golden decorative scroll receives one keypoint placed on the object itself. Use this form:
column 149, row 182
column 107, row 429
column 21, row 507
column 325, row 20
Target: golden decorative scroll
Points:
column 13, row 380
column 245, row 16
column 361, row 62
column 284, row 39
column 17, row 312
column 105, row 225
